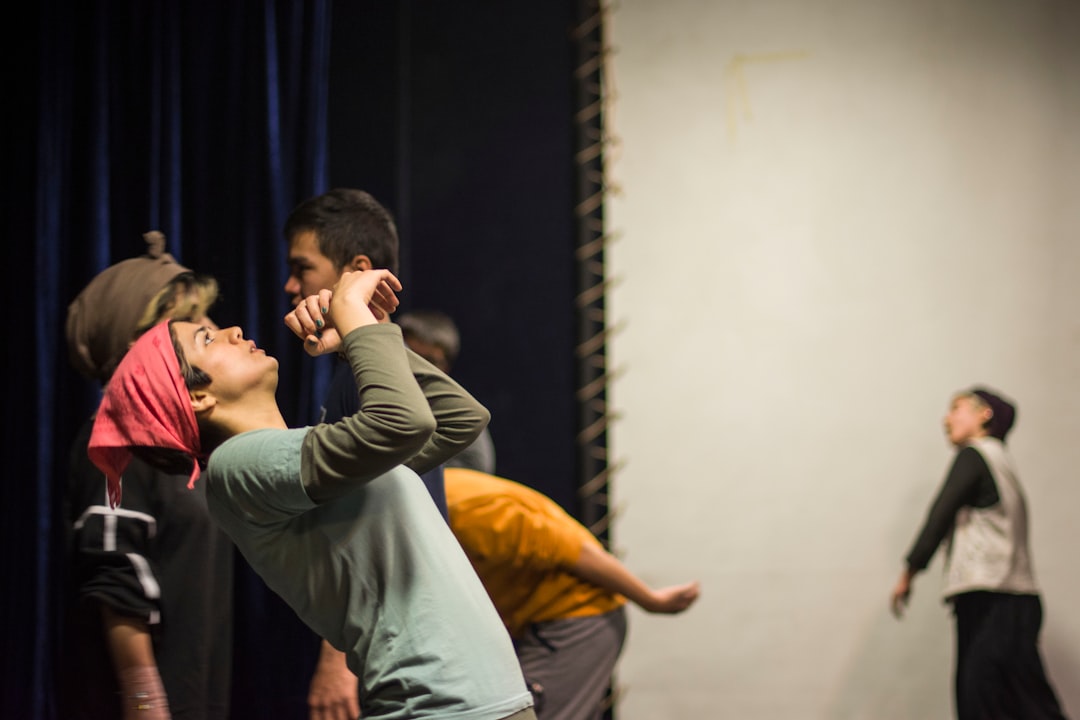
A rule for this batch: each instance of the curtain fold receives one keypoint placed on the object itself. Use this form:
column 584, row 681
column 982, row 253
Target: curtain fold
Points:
column 206, row 121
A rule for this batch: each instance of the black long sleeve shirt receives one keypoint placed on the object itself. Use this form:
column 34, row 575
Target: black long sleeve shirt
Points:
column 969, row 483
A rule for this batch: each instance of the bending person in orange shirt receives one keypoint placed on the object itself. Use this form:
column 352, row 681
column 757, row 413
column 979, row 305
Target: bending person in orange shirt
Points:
column 559, row 592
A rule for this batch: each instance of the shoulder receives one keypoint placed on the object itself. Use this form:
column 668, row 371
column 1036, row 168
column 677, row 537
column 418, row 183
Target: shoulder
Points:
column 970, row 458
column 259, row 471
column 257, row 447
column 481, row 503
column 466, row 487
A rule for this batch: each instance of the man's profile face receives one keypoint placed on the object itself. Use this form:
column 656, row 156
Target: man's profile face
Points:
column 309, row 270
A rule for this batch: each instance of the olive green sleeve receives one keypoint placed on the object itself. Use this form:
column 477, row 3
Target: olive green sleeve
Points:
column 459, row 417
column 394, row 422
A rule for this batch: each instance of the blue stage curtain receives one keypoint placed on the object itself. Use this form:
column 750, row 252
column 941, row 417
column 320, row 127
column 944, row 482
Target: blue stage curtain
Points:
column 204, row 120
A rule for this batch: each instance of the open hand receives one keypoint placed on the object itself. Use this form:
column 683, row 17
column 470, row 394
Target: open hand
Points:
column 674, row 599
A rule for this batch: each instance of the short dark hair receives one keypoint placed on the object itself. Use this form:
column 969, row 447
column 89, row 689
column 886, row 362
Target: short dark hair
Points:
column 1003, row 412
column 194, row 376
column 347, row 223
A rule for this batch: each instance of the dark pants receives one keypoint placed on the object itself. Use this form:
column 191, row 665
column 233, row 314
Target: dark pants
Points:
column 572, row 661
column 999, row 674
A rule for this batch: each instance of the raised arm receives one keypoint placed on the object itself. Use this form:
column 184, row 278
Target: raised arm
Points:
column 394, row 421
column 459, row 417
column 392, row 425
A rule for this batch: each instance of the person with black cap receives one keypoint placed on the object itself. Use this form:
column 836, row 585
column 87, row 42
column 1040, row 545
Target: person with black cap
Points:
column 989, row 579
column 148, row 612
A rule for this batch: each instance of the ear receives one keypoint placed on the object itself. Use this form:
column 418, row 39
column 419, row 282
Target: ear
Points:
column 202, row 400
column 359, row 262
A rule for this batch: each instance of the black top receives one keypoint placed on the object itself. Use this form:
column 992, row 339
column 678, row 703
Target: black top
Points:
column 159, row 558
column 968, row 484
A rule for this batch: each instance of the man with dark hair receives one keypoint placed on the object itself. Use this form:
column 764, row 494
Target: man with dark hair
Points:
column 343, row 229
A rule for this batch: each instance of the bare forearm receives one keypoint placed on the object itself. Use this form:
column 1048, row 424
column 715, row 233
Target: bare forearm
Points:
column 330, row 658
column 599, row 567
column 604, row 570
column 142, row 693
column 334, row 693
column 129, row 640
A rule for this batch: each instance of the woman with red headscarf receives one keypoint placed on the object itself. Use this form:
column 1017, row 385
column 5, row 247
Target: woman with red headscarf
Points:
column 334, row 517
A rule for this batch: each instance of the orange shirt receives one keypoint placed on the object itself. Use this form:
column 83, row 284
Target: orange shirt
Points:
column 522, row 544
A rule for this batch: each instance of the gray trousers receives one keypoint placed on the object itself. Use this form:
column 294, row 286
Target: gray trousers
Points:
column 572, row 661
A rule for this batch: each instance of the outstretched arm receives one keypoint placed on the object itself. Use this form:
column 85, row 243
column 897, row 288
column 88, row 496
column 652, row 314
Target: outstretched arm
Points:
column 599, row 567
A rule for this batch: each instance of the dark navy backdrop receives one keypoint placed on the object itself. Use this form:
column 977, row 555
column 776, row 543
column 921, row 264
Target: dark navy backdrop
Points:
column 209, row 121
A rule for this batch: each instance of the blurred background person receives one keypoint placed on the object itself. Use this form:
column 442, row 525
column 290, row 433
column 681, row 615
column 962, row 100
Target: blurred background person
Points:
column 561, row 595
column 149, row 593
column 981, row 514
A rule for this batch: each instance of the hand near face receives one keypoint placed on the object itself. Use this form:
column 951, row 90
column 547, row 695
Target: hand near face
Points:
column 359, row 298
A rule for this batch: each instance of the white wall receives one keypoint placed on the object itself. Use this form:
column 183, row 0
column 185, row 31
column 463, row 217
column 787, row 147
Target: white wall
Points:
column 834, row 214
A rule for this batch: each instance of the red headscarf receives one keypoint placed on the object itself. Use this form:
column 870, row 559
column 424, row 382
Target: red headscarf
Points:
column 146, row 404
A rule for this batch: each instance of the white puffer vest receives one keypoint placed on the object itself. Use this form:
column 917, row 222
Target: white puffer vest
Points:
column 988, row 547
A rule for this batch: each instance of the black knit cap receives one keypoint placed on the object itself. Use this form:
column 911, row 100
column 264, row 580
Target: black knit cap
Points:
column 1004, row 412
